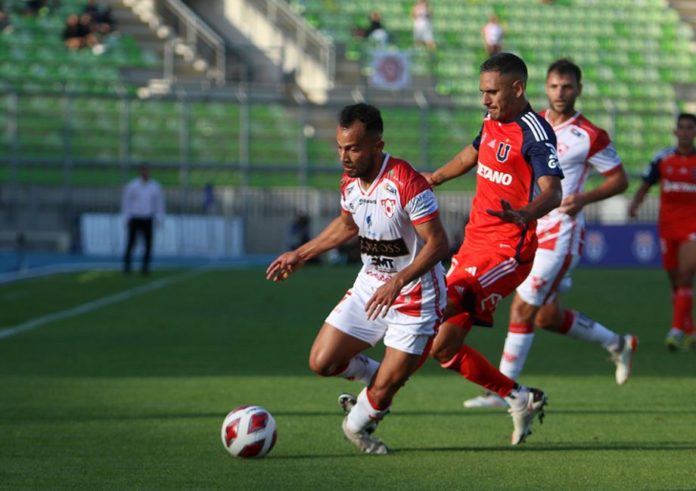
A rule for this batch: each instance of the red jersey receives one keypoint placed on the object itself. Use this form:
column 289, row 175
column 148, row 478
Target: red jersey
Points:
column 677, row 176
column 511, row 157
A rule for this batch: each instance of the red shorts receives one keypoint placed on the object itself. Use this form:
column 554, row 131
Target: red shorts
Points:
column 670, row 249
column 477, row 281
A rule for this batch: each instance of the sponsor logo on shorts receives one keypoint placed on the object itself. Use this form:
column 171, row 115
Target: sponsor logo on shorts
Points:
column 490, row 302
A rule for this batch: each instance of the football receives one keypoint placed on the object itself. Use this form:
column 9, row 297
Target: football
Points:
column 248, row 432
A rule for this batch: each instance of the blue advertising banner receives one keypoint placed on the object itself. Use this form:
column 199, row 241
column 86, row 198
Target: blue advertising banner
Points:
column 621, row 245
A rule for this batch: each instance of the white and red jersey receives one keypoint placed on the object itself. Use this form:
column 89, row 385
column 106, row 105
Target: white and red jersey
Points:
column 582, row 146
column 385, row 214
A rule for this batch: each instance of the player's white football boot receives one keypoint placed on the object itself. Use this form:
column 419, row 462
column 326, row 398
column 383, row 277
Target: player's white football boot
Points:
column 347, row 401
column 364, row 441
column 485, row 400
column 524, row 408
column 624, row 359
column 673, row 341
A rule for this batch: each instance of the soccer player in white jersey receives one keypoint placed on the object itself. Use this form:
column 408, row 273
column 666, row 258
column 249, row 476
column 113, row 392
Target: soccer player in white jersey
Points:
column 582, row 147
column 400, row 292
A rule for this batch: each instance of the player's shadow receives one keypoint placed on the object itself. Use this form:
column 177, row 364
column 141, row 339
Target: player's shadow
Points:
column 559, row 447
column 539, row 447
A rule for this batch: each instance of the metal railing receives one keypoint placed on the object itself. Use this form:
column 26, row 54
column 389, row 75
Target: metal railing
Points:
column 195, row 34
column 310, row 41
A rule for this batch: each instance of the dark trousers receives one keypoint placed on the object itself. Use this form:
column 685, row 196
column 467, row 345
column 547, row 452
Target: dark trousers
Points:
column 138, row 226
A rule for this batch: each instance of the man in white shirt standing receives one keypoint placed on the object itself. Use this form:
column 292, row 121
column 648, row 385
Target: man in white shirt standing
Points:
column 141, row 204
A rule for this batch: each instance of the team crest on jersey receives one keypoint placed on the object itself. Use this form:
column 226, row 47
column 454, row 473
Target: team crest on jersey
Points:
column 389, row 206
column 503, row 152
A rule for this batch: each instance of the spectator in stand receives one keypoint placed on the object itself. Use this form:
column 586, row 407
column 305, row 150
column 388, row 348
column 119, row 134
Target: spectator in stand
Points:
column 4, row 19
column 422, row 25
column 32, row 7
column 492, row 33
column 102, row 20
column 76, row 34
column 376, row 31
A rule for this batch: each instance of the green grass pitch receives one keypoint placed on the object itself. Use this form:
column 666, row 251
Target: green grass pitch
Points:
column 132, row 395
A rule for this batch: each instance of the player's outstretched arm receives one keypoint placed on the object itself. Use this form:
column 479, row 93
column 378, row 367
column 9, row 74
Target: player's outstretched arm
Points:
column 638, row 199
column 613, row 184
column 462, row 163
column 548, row 199
column 435, row 249
column 336, row 233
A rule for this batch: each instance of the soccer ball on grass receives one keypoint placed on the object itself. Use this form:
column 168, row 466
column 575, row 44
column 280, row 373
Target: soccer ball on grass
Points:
column 248, row 431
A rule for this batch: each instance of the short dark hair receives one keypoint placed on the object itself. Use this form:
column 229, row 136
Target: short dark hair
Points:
column 506, row 64
column 689, row 116
column 565, row 66
column 365, row 113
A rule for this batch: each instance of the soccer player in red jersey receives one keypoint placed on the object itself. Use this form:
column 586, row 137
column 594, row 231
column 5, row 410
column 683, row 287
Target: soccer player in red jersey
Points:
column 675, row 169
column 518, row 180
column 582, row 147
column 399, row 294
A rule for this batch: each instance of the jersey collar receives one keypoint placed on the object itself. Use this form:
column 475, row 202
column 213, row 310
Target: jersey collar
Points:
column 563, row 124
column 377, row 179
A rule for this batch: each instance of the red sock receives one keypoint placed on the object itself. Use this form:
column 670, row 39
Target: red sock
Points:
column 473, row 366
column 681, row 308
column 568, row 319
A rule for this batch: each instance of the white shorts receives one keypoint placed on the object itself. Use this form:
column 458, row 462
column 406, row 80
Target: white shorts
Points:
column 550, row 276
column 400, row 331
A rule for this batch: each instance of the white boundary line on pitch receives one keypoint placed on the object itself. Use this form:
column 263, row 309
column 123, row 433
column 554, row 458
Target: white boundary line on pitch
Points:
column 96, row 304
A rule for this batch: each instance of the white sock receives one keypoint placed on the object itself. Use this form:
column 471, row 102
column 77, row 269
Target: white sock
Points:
column 515, row 351
column 363, row 413
column 588, row 330
column 361, row 368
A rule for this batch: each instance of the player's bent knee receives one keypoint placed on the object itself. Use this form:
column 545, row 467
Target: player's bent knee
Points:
column 444, row 353
column 323, row 366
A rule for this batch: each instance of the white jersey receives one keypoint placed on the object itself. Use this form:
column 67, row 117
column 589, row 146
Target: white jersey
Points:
column 385, row 214
column 582, row 146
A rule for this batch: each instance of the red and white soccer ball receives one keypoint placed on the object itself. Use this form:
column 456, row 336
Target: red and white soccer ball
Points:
column 248, row 431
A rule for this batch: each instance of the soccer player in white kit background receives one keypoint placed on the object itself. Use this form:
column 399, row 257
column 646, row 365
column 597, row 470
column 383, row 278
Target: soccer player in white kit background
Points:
column 582, row 147
column 399, row 294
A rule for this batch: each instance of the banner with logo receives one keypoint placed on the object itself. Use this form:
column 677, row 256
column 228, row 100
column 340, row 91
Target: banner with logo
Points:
column 390, row 70
column 621, row 245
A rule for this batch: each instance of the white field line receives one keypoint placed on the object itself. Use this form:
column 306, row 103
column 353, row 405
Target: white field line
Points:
column 96, row 304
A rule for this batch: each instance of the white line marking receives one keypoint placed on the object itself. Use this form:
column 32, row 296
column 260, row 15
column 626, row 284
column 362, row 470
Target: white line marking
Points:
column 96, row 304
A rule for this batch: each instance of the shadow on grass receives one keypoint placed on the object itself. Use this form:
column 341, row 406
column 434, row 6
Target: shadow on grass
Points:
column 557, row 447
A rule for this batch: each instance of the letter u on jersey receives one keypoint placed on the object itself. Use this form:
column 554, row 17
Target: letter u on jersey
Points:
column 503, row 151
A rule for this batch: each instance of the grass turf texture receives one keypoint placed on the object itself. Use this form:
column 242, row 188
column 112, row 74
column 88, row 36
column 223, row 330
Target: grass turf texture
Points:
column 132, row 396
